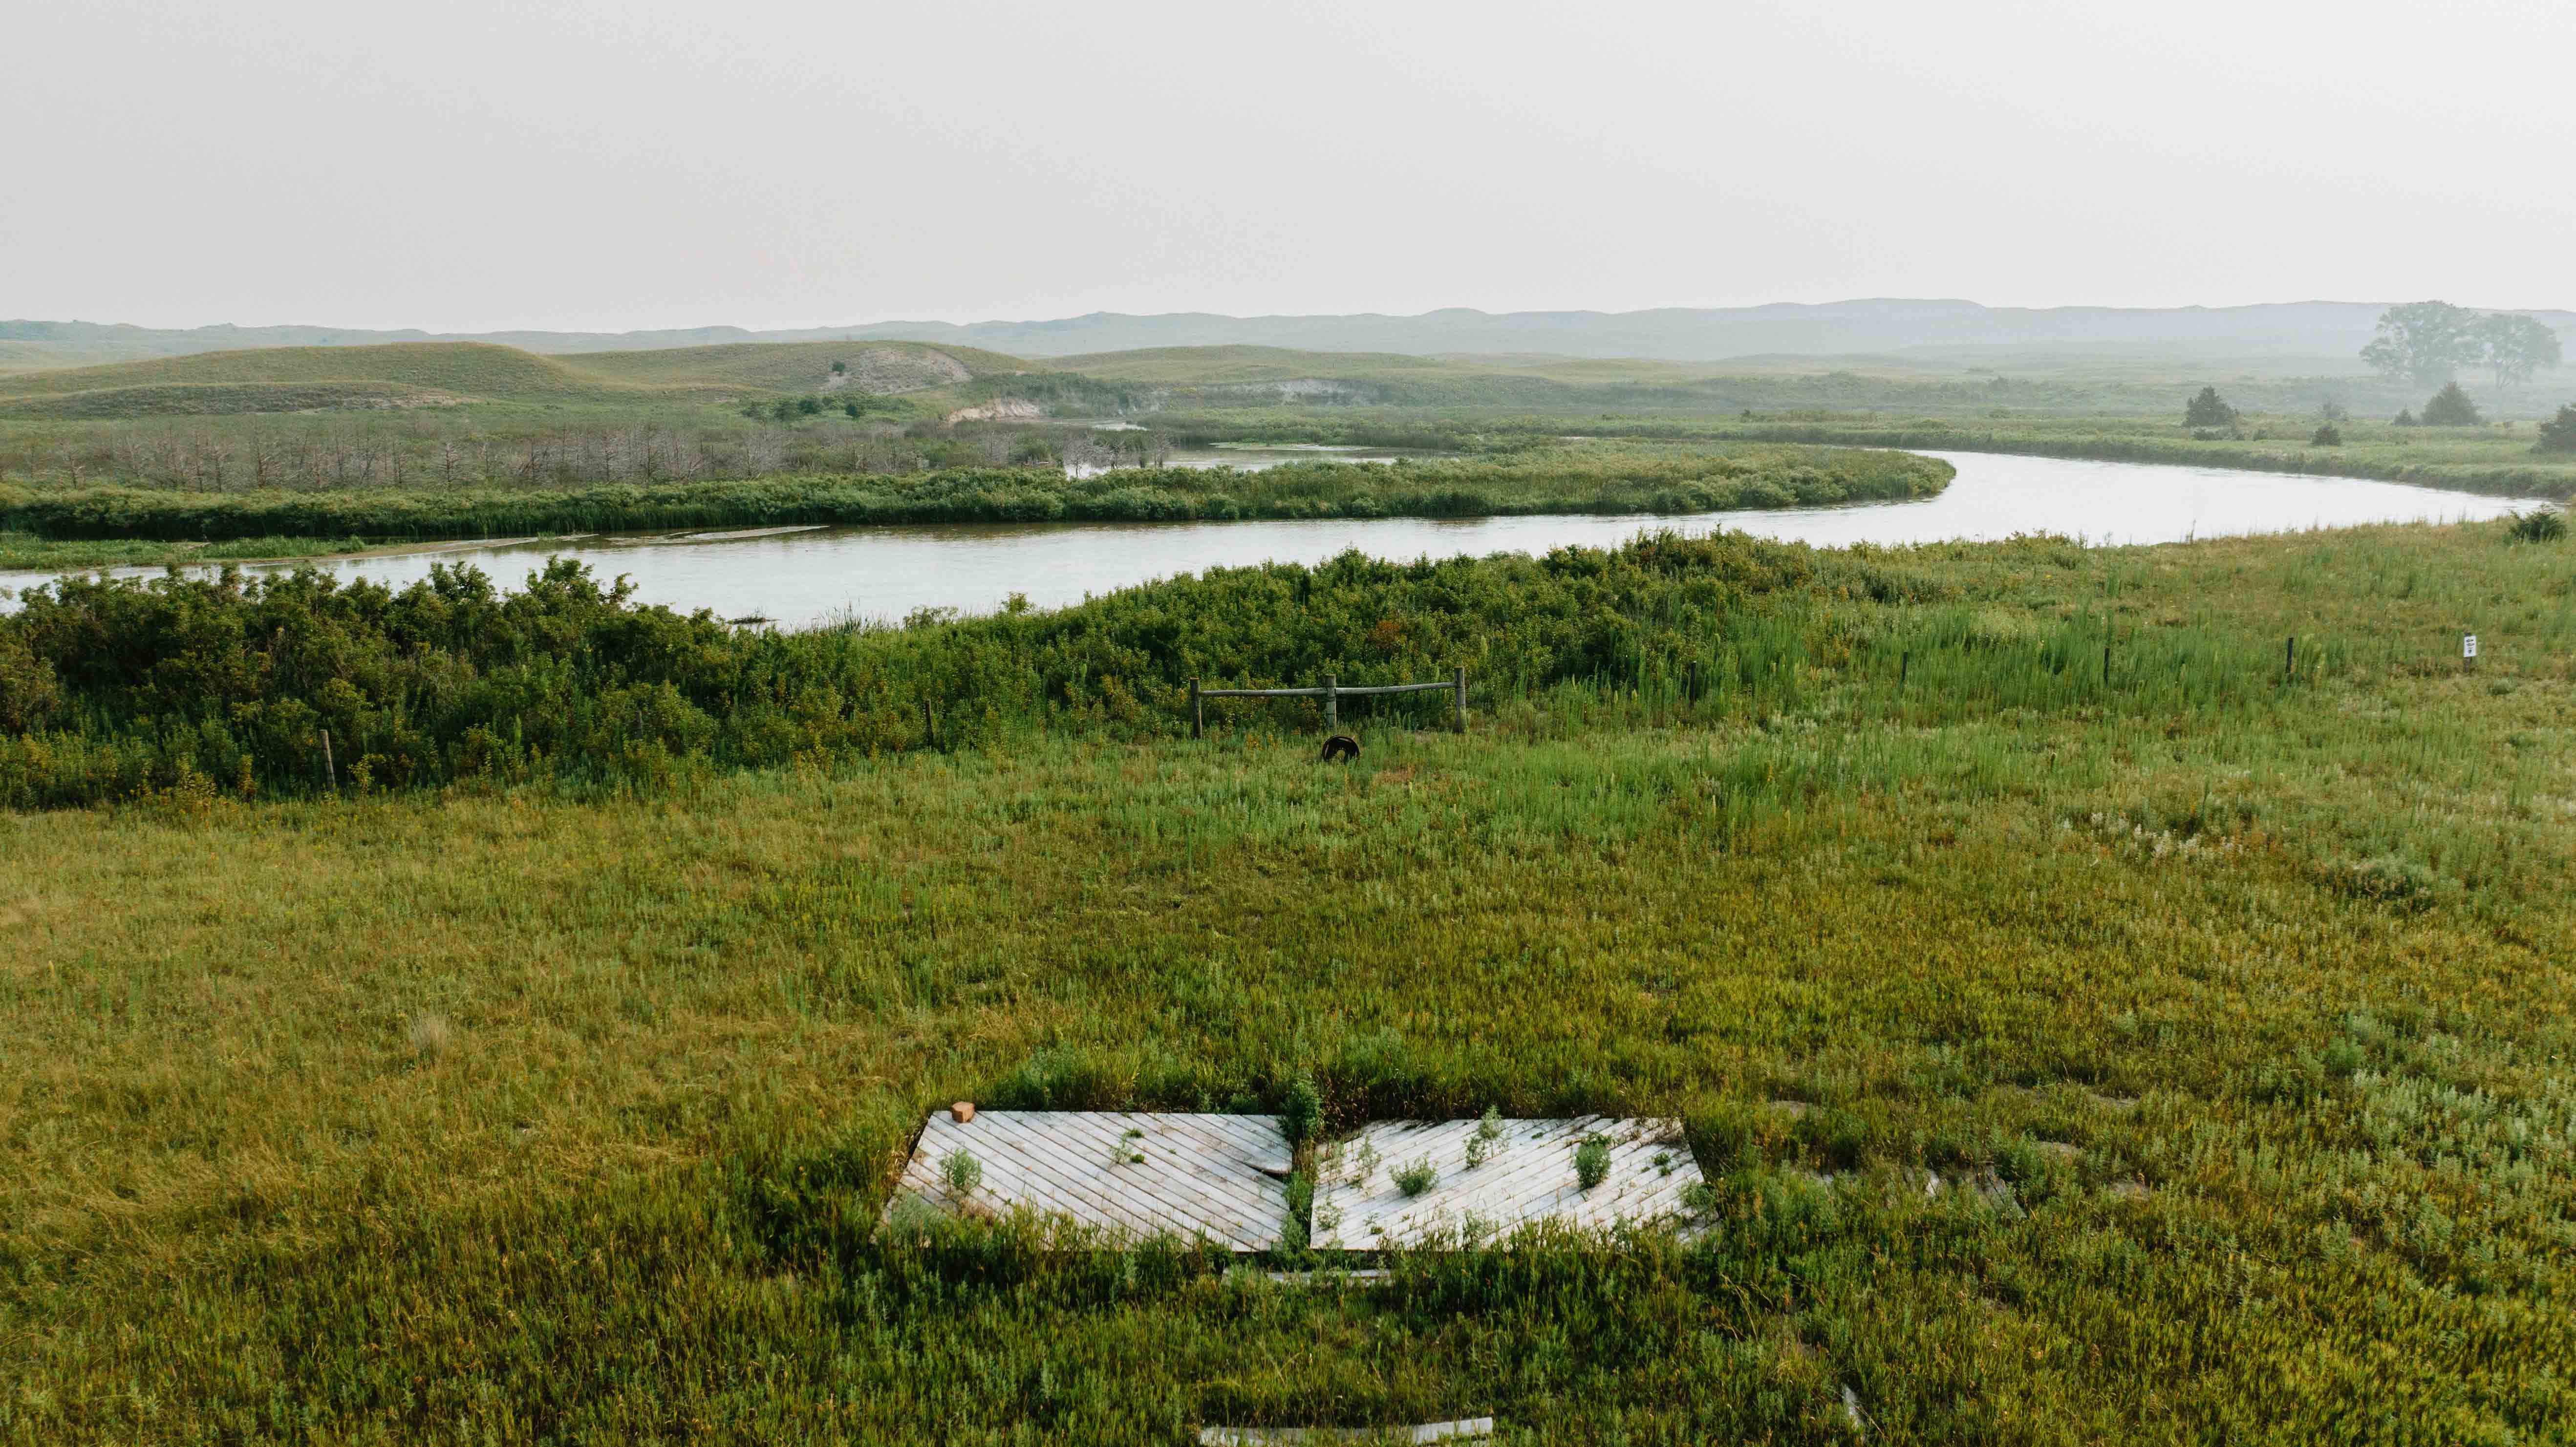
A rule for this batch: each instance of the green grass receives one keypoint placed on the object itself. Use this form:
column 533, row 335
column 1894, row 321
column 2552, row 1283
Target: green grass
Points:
column 424, row 374
column 1562, row 478
column 2238, row 1005
column 26, row 552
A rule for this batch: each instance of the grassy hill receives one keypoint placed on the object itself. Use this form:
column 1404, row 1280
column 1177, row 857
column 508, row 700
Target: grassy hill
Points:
column 883, row 368
column 417, row 374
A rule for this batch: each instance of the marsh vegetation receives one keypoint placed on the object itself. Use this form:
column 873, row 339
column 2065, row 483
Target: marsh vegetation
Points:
column 2072, row 1055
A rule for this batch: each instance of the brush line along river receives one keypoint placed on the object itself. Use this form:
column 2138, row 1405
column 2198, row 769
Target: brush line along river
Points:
column 805, row 576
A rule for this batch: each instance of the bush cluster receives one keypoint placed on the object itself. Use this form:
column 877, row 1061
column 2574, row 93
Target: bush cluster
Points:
column 113, row 688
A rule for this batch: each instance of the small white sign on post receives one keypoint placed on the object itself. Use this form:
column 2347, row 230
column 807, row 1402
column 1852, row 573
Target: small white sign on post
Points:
column 2468, row 645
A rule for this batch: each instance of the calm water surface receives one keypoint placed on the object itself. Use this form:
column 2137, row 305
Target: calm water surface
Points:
column 803, row 576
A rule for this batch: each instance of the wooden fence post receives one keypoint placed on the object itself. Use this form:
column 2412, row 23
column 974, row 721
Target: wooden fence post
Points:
column 1458, row 678
column 2290, row 658
column 929, row 737
column 2106, row 665
column 330, row 770
column 1198, row 713
column 1332, row 704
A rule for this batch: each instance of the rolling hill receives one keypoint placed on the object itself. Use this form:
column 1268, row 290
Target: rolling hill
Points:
column 431, row 374
column 2290, row 338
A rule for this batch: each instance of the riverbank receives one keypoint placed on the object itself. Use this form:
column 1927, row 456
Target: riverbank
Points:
column 1605, row 478
column 2066, row 1051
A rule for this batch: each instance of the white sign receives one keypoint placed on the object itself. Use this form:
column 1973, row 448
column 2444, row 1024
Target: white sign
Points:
column 2468, row 645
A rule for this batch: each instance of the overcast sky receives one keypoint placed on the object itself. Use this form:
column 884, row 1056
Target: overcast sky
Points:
column 474, row 165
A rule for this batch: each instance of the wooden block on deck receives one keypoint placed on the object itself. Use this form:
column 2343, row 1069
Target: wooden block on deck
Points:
column 1526, row 1178
column 1224, row 1176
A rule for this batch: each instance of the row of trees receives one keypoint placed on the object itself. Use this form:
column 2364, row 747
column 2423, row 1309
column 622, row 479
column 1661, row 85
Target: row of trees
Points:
column 2432, row 341
column 2450, row 407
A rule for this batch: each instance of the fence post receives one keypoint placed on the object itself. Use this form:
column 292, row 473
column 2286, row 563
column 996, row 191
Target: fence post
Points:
column 330, row 770
column 1198, row 712
column 2106, row 665
column 1458, row 681
column 2290, row 658
column 929, row 736
column 1904, row 661
column 1332, row 703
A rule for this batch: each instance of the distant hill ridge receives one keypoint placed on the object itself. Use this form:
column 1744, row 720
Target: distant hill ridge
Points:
column 1956, row 330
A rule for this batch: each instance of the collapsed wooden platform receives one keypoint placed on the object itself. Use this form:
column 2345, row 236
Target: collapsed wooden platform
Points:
column 1221, row 1176
column 1132, row 1176
column 1527, row 1176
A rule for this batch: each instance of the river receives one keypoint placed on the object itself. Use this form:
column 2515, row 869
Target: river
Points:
column 805, row 576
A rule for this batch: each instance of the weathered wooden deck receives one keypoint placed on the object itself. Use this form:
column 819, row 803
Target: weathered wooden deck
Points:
column 1224, row 1176
column 1527, row 1178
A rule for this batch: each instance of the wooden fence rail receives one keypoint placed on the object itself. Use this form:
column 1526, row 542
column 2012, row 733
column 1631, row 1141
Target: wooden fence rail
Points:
column 1331, row 693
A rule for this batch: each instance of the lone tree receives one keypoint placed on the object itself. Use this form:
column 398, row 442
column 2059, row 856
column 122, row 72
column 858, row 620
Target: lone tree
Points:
column 2558, row 434
column 2516, row 347
column 2451, row 407
column 2425, row 341
column 2206, row 410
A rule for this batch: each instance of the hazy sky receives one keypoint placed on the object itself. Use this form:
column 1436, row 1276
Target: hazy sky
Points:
column 472, row 165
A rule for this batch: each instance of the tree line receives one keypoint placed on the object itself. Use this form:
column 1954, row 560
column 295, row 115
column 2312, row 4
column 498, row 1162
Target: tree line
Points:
column 2433, row 341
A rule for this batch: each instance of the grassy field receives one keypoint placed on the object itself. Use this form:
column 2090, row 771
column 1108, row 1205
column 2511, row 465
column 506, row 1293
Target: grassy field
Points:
column 433, row 374
column 1587, row 477
column 2232, row 1009
column 26, row 552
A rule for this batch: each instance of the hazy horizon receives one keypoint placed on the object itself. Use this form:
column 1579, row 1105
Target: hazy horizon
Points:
column 612, row 168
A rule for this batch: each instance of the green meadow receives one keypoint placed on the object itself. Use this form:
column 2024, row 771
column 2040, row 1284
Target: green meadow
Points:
column 2170, row 1046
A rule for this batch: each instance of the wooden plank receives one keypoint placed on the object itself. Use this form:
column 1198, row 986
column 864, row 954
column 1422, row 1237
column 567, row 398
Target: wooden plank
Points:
column 1079, row 1157
column 1202, row 1174
column 1459, row 1430
column 1345, row 690
column 1527, row 1178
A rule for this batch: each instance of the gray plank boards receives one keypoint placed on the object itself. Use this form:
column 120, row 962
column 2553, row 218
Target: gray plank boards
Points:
column 1527, row 1178
column 1202, row 1174
column 1464, row 1427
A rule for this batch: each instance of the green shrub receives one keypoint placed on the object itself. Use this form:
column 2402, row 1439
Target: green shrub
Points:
column 2451, row 407
column 2558, row 434
column 2545, row 525
column 1592, row 1162
column 1417, row 1178
column 1301, row 1111
column 963, row 1173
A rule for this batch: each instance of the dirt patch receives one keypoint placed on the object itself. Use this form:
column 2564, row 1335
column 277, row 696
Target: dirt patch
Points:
column 1016, row 409
column 889, row 371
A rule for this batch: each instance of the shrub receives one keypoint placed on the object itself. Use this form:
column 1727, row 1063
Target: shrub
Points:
column 2547, row 525
column 2406, row 417
column 2451, row 407
column 2207, row 410
column 1417, row 1178
column 1592, row 1162
column 1302, row 1111
column 2558, row 434
column 1489, row 1133
column 962, row 1172
column 2327, row 436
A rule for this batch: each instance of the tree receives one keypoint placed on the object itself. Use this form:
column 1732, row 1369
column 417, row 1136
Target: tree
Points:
column 2327, row 436
column 2558, row 434
column 2451, row 407
column 2425, row 341
column 2206, row 410
column 2406, row 417
column 2517, row 346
